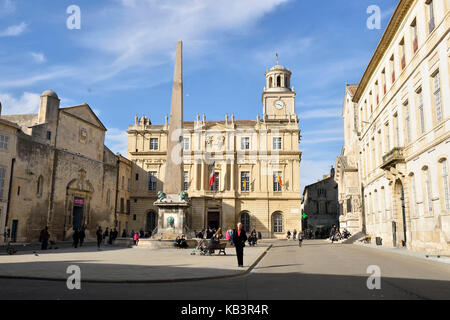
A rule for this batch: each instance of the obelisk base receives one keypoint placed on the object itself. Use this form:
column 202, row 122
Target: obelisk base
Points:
column 172, row 218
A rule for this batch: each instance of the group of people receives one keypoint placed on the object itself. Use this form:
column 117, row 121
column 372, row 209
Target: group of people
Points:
column 180, row 242
column 295, row 235
column 78, row 236
column 336, row 235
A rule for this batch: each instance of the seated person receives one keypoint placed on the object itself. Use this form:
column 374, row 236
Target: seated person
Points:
column 176, row 242
column 182, row 243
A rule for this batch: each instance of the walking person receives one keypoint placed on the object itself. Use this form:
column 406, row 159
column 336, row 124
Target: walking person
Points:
column 136, row 238
column 300, row 238
column 82, row 235
column 99, row 234
column 294, row 235
column 333, row 233
column 105, row 236
column 44, row 237
column 76, row 238
column 239, row 238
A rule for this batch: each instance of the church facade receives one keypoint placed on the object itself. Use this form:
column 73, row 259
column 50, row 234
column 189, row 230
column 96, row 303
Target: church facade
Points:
column 234, row 170
column 55, row 171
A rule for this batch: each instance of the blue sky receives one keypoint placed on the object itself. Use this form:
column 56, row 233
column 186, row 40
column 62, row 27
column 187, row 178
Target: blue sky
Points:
column 121, row 60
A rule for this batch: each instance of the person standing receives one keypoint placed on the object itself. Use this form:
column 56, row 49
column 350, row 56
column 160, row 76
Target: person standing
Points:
column 239, row 238
column 300, row 238
column 136, row 238
column 76, row 238
column 99, row 234
column 44, row 237
column 294, row 235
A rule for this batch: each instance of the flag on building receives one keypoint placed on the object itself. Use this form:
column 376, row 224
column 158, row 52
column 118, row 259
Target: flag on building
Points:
column 279, row 180
column 212, row 176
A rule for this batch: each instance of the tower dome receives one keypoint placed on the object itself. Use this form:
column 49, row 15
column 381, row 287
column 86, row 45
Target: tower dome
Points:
column 278, row 79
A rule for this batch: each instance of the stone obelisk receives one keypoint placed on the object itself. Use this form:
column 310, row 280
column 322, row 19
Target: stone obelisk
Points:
column 173, row 181
column 173, row 203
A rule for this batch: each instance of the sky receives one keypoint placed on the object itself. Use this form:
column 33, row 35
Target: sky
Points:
column 120, row 61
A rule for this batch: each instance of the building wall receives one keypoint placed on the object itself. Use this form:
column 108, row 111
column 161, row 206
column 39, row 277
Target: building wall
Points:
column 395, row 151
column 56, row 173
column 7, row 154
column 221, row 142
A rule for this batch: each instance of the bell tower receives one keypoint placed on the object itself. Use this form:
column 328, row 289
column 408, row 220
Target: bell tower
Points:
column 278, row 98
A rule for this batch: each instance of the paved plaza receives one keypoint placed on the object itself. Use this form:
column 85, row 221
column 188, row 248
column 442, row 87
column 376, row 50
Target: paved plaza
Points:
column 318, row 270
column 116, row 264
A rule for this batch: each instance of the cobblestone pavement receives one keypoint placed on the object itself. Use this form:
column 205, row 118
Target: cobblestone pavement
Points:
column 318, row 270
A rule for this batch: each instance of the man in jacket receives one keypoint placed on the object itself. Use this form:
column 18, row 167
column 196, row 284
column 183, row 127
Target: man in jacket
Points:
column 44, row 237
column 239, row 238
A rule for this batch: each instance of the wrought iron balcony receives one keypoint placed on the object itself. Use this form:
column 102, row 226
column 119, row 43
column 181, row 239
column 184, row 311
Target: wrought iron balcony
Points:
column 394, row 156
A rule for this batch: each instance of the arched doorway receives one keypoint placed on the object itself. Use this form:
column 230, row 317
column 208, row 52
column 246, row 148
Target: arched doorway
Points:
column 245, row 220
column 151, row 222
column 399, row 226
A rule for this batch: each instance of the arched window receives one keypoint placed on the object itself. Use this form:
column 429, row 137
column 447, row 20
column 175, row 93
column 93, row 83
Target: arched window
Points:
column 278, row 81
column 245, row 220
column 277, row 222
column 427, row 183
column 40, row 186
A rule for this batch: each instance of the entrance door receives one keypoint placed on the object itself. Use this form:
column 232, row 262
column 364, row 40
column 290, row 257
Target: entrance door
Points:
column 213, row 220
column 151, row 222
column 400, row 214
column 15, row 224
column 77, row 217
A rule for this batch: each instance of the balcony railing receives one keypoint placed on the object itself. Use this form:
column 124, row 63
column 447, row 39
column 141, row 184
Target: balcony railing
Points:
column 393, row 157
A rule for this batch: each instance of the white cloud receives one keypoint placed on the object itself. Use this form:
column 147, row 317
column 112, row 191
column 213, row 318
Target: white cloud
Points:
column 58, row 72
column 38, row 57
column 144, row 32
column 117, row 140
column 27, row 103
column 14, row 31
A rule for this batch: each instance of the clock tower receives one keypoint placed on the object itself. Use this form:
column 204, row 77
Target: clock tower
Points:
column 278, row 98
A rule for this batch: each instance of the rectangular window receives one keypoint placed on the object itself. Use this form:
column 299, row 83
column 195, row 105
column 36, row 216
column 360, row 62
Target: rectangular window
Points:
column 277, row 181
column 123, row 183
column 415, row 39
column 185, row 143
column 402, row 53
column 420, row 110
column 2, row 181
column 407, row 123
column 397, row 130
column 445, row 184
column 137, row 176
column 129, row 185
column 128, row 207
column 349, row 205
column 152, row 181
column 245, row 143
column 153, row 143
column 186, row 181
column 3, row 142
column 431, row 24
column 49, row 135
column 388, row 138
column 277, row 143
column 437, row 96
column 245, row 181
column 122, row 205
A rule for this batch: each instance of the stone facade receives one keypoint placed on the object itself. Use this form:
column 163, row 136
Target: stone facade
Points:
column 403, row 101
column 347, row 175
column 320, row 204
column 248, row 158
column 61, row 173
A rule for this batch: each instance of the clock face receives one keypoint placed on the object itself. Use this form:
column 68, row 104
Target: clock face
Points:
column 279, row 104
